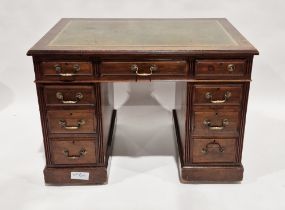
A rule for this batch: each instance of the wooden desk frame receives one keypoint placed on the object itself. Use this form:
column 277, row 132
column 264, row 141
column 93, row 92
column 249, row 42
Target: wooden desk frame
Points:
column 207, row 150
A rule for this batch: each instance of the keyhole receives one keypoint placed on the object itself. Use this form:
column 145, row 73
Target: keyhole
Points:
column 211, row 68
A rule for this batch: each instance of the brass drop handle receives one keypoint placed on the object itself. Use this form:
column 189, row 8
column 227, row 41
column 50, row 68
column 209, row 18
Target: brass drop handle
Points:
column 135, row 69
column 64, row 125
column 208, row 123
column 58, row 69
column 206, row 148
column 60, row 97
column 209, row 96
column 231, row 67
column 81, row 153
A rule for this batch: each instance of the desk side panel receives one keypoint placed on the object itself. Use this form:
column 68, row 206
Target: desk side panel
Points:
column 106, row 91
column 181, row 107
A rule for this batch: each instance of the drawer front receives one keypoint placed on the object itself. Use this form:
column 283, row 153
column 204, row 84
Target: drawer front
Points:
column 69, row 95
column 220, row 68
column 217, row 94
column 214, row 151
column 73, row 151
column 150, row 68
column 66, row 70
column 71, row 121
column 211, row 123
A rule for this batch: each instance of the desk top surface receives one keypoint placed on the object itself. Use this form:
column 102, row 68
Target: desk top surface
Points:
column 82, row 36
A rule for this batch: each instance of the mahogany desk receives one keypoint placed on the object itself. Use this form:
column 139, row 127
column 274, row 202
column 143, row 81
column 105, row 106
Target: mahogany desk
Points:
column 78, row 60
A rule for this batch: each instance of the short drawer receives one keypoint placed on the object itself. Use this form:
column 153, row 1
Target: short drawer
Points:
column 217, row 94
column 214, row 151
column 215, row 123
column 66, row 70
column 220, row 68
column 151, row 68
column 71, row 121
column 73, row 151
column 69, row 95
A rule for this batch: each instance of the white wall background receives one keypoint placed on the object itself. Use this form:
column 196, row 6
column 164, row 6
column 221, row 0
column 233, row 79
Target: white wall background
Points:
column 143, row 173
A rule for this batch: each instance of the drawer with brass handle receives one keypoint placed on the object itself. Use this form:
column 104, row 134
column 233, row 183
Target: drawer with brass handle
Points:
column 214, row 150
column 217, row 94
column 211, row 123
column 69, row 95
column 79, row 151
column 220, row 68
column 66, row 71
column 71, row 121
column 143, row 69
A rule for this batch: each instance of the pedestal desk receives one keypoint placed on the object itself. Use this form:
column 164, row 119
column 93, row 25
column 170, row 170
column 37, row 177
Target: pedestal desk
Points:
column 78, row 60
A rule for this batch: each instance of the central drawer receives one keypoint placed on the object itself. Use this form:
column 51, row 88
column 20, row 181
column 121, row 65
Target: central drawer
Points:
column 71, row 121
column 143, row 69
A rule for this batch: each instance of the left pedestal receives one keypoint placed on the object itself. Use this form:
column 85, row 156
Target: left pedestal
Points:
column 77, row 119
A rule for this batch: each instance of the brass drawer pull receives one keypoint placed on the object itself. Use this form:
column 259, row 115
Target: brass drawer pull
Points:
column 209, row 96
column 81, row 153
column 58, row 69
column 60, row 97
column 64, row 125
column 135, row 69
column 231, row 67
column 206, row 149
column 225, row 122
